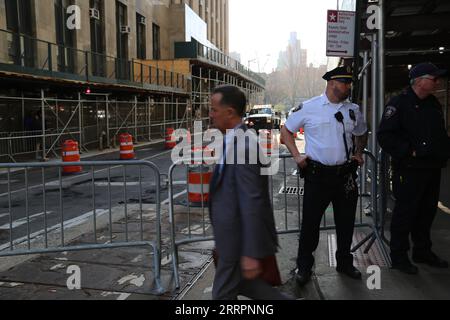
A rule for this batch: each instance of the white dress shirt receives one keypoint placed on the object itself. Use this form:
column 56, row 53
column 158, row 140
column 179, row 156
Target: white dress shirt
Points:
column 228, row 142
column 323, row 133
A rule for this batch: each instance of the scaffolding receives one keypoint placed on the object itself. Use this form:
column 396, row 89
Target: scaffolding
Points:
column 204, row 80
column 37, row 127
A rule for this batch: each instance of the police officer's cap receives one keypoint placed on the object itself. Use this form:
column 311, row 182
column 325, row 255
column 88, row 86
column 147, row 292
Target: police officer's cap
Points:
column 424, row 69
column 342, row 74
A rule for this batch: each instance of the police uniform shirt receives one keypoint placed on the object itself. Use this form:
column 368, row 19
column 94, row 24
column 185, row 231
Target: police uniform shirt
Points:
column 323, row 133
column 411, row 124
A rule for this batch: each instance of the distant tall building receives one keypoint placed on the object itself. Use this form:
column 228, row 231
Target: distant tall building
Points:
column 293, row 40
column 294, row 54
column 349, row 5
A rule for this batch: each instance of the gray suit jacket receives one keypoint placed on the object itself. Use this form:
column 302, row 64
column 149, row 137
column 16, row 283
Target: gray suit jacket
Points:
column 241, row 212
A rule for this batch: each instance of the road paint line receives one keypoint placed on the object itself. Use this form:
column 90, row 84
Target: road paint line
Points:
column 133, row 279
column 137, row 259
column 50, row 183
column 16, row 284
column 5, row 182
column 208, row 290
column 55, row 229
column 4, row 215
column 174, row 197
column 195, row 230
column 116, row 184
column 178, row 183
column 22, row 221
column 123, row 296
column 58, row 267
column 443, row 208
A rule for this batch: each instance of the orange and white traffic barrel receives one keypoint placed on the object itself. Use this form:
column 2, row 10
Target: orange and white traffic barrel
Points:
column 265, row 141
column 71, row 153
column 171, row 141
column 126, row 147
column 200, row 175
column 199, row 179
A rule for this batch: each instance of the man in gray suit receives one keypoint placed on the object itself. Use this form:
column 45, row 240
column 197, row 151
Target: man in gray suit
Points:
column 240, row 209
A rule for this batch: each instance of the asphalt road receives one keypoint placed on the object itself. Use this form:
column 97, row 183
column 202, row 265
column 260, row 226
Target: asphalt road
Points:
column 78, row 195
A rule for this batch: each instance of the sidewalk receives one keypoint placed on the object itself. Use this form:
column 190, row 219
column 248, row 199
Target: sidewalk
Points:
column 107, row 274
column 327, row 284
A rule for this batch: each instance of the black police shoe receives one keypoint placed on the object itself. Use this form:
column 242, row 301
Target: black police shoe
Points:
column 350, row 271
column 430, row 259
column 406, row 267
column 302, row 277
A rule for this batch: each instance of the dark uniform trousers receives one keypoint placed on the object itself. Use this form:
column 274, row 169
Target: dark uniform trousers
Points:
column 320, row 191
column 417, row 194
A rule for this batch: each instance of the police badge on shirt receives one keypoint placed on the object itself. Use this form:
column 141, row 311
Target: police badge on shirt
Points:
column 390, row 112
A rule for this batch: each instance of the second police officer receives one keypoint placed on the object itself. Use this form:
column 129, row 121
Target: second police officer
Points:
column 336, row 136
column 413, row 133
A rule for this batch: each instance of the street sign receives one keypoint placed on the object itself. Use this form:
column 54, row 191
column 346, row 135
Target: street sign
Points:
column 341, row 33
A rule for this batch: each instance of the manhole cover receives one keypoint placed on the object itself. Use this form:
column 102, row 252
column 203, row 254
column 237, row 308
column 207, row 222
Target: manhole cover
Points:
column 292, row 191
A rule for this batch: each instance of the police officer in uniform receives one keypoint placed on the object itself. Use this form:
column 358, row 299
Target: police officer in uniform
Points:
column 413, row 133
column 336, row 136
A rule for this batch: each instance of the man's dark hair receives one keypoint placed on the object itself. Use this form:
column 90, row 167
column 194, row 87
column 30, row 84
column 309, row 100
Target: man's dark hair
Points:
column 232, row 96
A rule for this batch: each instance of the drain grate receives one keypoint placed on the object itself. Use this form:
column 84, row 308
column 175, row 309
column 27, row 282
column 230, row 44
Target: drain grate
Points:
column 292, row 191
column 362, row 260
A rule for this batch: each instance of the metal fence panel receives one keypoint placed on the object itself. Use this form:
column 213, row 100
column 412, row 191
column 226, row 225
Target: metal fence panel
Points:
column 29, row 189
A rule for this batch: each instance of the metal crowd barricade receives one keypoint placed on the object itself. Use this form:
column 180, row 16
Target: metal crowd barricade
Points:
column 377, row 216
column 194, row 232
column 361, row 222
column 284, row 225
column 55, row 239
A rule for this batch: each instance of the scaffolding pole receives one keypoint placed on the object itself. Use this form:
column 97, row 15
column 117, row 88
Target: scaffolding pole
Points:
column 43, row 124
column 164, row 121
column 149, row 110
column 136, row 118
column 374, row 143
column 107, row 123
column 80, row 120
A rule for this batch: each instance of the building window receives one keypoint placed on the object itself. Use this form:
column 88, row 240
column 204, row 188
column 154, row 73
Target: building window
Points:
column 141, row 37
column 122, row 41
column 64, row 37
column 156, row 42
column 19, row 20
column 96, row 13
column 200, row 9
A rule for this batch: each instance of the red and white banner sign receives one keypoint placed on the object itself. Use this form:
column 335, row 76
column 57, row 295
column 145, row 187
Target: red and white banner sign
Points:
column 341, row 33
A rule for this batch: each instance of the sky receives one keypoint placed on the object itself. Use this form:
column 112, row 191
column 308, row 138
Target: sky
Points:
column 260, row 29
